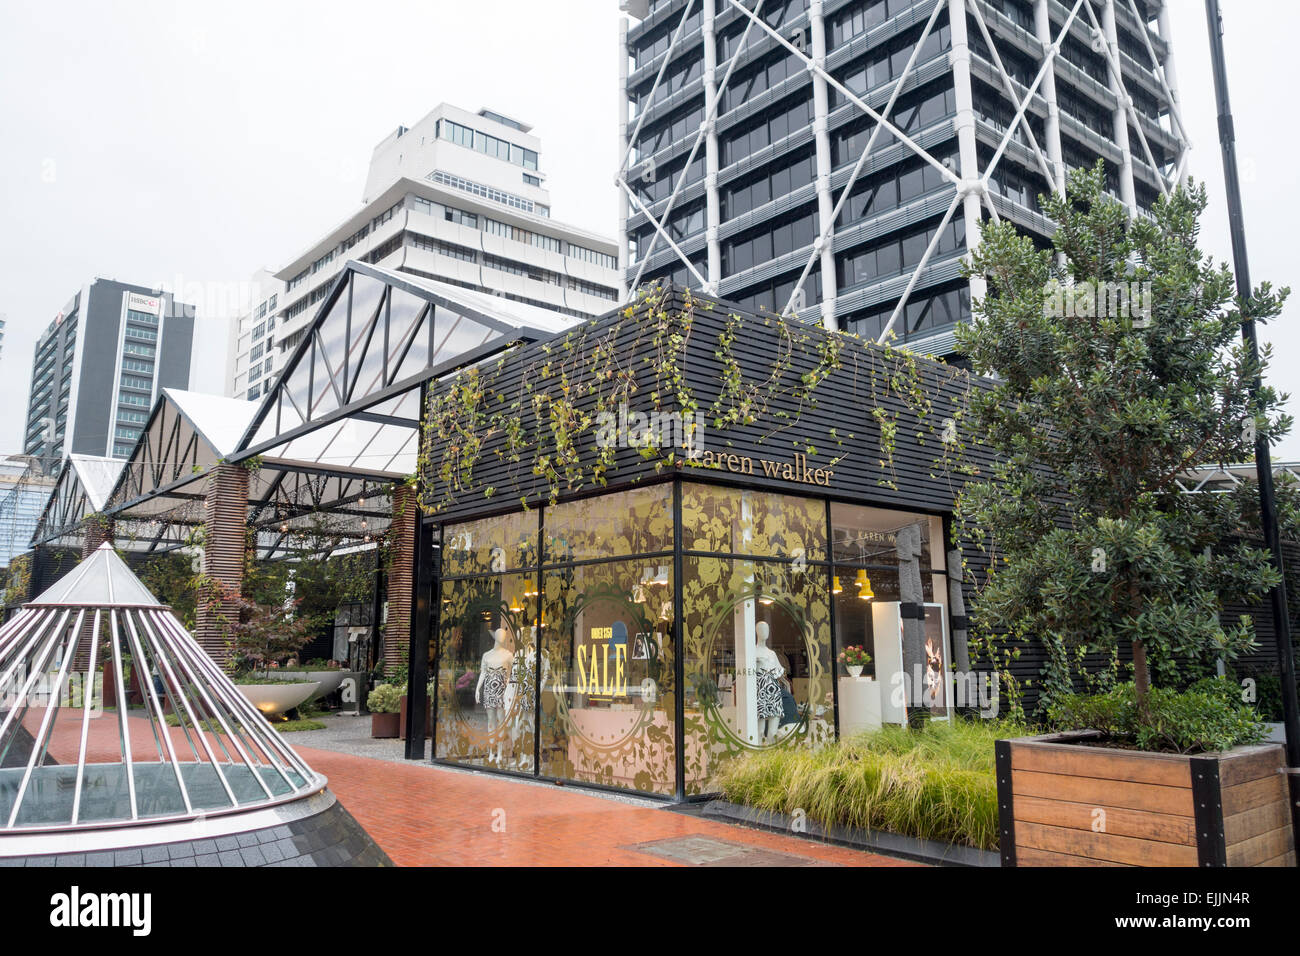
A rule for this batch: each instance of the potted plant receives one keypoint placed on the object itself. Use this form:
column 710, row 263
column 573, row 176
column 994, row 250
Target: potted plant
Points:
column 428, row 710
column 1116, row 367
column 384, row 703
column 854, row 658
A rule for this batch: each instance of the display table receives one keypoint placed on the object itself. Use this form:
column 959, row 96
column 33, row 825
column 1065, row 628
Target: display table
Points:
column 859, row 705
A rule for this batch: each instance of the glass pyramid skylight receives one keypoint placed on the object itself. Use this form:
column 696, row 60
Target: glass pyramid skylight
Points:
column 111, row 714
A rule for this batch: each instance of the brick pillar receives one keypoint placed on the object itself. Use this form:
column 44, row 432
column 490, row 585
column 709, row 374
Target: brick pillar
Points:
column 401, row 575
column 99, row 528
column 225, row 518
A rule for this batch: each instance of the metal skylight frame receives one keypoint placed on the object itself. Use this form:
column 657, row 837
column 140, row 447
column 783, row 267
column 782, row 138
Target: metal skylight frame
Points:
column 91, row 619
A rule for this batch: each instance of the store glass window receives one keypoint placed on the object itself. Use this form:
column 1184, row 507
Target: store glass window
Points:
column 756, row 632
column 607, row 704
column 736, row 521
column 883, row 559
column 610, row 526
column 485, row 691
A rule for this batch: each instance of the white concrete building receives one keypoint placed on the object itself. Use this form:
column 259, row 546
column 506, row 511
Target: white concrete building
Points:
column 458, row 197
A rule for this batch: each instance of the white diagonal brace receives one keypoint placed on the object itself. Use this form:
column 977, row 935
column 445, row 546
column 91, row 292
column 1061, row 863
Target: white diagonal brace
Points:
column 1126, row 101
column 700, row 135
column 848, row 94
column 828, row 227
column 650, row 97
column 1158, row 68
column 1007, row 85
column 1049, row 60
column 916, row 273
column 659, row 229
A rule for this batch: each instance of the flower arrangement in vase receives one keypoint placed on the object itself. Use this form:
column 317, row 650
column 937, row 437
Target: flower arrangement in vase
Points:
column 854, row 658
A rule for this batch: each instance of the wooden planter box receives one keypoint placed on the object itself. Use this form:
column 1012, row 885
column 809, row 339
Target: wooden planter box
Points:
column 1063, row 802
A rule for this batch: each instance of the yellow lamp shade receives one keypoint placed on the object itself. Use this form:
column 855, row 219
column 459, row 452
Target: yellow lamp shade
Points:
column 835, row 585
column 864, row 586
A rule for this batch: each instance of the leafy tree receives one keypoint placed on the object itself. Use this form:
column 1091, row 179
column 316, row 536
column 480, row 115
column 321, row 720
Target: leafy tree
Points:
column 1095, row 416
column 261, row 635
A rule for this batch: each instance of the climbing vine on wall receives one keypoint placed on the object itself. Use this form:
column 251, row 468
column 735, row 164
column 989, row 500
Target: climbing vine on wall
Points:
column 539, row 408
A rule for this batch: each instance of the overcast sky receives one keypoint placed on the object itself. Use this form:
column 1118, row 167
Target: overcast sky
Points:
column 191, row 143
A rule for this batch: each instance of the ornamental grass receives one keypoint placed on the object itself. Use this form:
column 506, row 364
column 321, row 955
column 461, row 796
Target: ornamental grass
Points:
column 936, row 782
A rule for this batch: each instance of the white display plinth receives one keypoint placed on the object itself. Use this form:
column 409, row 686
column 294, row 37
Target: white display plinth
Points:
column 859, row 705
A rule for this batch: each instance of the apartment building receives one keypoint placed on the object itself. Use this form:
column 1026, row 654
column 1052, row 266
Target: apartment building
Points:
column 459, row 197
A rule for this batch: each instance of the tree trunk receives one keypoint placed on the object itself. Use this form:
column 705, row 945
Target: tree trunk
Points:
column 1141, row 676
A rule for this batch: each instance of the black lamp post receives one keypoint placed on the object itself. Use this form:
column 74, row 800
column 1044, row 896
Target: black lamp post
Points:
column 1263, row 462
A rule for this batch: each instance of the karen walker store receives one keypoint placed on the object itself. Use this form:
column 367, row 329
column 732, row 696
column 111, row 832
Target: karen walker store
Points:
column 637, row 638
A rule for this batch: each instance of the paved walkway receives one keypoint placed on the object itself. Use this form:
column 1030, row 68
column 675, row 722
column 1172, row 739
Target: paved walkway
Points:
column 425, row 815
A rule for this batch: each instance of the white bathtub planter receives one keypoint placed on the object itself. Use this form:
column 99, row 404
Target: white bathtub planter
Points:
column 328, row 679
column 274, row 699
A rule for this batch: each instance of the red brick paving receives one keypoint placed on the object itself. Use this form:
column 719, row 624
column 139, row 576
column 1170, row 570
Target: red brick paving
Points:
column 423, row 816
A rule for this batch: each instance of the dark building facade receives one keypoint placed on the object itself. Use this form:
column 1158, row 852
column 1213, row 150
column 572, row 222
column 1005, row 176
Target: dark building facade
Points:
column 100, row 365
column 783, row 141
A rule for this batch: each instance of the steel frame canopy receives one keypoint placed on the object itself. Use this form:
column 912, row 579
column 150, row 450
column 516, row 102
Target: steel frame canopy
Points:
column 157, row 499
column 1218, row 478
column 337, row 429
column 970, row 184
column 81, row 489
column 342, row 422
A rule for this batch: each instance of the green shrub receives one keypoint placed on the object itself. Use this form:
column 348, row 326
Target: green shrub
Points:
column 936, row 782
column 1208, row 716
column 385, row 699
column 292, row 726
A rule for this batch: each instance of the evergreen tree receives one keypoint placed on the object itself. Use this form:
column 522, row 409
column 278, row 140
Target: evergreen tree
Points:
column 1118, row 363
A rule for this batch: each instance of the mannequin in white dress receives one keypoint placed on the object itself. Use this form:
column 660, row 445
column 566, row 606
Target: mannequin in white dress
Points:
column 768, row 671
column 493, row 677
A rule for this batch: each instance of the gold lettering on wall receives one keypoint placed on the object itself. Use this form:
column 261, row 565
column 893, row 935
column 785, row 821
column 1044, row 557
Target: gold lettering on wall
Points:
column 796, row 471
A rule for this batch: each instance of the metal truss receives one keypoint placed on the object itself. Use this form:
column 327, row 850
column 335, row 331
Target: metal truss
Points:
column 971, row 185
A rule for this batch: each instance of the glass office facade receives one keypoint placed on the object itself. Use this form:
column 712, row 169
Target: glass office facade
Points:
column 767, row 148
column 639, row 639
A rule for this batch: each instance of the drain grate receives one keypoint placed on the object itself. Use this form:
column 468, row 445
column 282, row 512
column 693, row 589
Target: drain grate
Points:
column 710, row 851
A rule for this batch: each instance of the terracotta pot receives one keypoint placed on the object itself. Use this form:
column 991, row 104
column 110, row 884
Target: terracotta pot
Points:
column 134, row 696
column 385, row 725
column 1068, row 800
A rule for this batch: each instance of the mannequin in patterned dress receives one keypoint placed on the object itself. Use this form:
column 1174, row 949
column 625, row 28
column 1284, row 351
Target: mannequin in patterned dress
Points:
column 768, row 671
column 493, row 675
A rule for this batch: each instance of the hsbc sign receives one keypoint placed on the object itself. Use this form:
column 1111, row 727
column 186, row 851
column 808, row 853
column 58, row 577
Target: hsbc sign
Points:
column 143, row 303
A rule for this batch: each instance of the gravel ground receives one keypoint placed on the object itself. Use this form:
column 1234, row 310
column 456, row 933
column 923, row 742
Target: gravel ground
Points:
column 348, row 735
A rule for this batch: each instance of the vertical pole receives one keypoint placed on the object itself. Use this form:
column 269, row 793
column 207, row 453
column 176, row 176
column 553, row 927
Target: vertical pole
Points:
column 834, row 619
column 965, row 122
column 712, row 204
column 1052, row 129
column 679, row 643
column 1171, row 77
column 1119, row 118
column 376, row 612
column 417, row 691
column 1263, row 458
column 623, row 93
column 822, row 138
column 401, row 577
column 224, row 544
